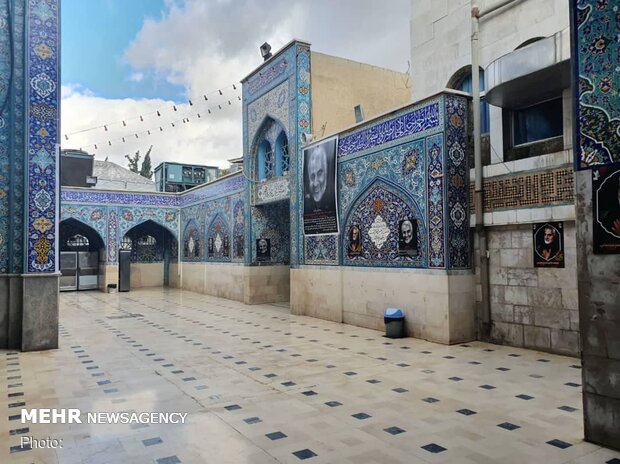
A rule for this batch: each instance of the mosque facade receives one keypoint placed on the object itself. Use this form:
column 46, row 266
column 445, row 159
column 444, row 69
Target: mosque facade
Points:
column 399, row 228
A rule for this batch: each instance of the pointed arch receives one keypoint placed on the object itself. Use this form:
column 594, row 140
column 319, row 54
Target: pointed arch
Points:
column 378, row 213
column 218, row 239
column 267, row 148
column 71, row 227
column 193, row 245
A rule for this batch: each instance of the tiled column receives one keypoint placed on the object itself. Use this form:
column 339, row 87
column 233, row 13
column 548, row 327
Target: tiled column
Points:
column 597, row 111
column 29, row 47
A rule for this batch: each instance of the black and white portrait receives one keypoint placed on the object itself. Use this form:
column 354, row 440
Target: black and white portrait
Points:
column 408, row 237
column 263, row 249
column 320, row 204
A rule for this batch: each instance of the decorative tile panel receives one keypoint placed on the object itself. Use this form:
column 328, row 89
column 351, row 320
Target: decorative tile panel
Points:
column 271, row 221
column 597, row 54
column 268, row 74
column 411, row 123
column 457, row 183
column 193, row 243
column 274, row 104
column 214, row 190
column 218, row 241
column 554, row 187
column 322, row 249
column 377, row 213
column 272, row 190
column 43, row 96
column 435, row 186
column 238, row 250
column 100, row 197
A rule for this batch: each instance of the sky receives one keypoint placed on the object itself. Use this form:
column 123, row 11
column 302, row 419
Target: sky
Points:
column 123, row 61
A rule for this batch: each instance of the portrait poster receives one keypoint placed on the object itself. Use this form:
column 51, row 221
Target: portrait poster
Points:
column 319, row 188
column 606, row 209
column 548, row 239
column 407, row 237
column 354, row 241
column 263, row 249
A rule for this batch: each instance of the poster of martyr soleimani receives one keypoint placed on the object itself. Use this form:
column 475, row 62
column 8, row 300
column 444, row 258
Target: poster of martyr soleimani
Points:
column 606, row 209
column 548, row 244
column 320, row 204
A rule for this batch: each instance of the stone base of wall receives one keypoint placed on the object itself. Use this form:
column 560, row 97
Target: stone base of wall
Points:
column 248, row 284
column 29, row 312
column 147, row 275
column 437, row 306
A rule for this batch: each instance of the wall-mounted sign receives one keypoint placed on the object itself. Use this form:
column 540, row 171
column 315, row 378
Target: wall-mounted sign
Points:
column 606, row 209
column 408, row 237
column 263, row 249
column 354, row 242
column 548, row 238
column 320, row 196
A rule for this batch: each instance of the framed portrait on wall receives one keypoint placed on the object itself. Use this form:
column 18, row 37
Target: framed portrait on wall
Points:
column 548, row 239
column 606, row 209
column 407, row 237
column 263, row 249
column 320, row 188
column 354, row 241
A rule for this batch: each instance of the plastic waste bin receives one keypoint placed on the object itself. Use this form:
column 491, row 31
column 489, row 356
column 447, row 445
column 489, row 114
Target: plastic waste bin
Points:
column 394, row 319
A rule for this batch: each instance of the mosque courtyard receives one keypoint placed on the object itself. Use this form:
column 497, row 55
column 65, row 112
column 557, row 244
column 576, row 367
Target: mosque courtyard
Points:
column 261, row 386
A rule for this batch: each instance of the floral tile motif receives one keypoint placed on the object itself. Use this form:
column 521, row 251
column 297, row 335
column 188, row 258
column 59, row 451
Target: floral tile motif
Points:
column 377, row 215
column 598, row 73
column 42, row 81
column 457, row 179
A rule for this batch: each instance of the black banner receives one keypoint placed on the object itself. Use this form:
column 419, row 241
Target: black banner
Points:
column 320, row 196
column 606, row 209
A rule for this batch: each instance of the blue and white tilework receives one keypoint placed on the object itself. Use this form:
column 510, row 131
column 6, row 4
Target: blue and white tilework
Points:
column 43, row 95
column 457, row 174
column 218, row 234
column 597, row 72
column 112, row 222
column 377, row 213
column 271, row 221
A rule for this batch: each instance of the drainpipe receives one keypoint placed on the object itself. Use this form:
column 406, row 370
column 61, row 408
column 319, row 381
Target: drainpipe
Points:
column 484, row 315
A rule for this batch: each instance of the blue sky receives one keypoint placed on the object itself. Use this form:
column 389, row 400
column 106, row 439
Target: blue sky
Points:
column 95, row 36
column 122, row 59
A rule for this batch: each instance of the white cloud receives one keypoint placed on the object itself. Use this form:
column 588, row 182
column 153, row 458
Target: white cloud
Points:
column 205, row 140
column 207, row 45
column 136, row 77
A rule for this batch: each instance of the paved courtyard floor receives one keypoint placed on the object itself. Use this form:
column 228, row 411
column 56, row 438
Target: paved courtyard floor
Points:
column 262, row 386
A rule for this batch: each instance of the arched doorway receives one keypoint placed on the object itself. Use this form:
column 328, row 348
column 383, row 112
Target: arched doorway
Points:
column 81, row 251
column 147, row 250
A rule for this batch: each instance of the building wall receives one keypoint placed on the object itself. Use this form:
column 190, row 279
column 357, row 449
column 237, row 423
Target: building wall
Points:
column 532, row 307
column 410, row 163
column 438, row 306
column 339, row 85
column 441, row 31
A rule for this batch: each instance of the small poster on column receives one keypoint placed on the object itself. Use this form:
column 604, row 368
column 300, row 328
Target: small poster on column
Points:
column 606, row 209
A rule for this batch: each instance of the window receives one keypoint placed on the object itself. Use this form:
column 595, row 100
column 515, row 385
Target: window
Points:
column 282, row 155
column 126, row 244
column 461, row 80
column 536, row 123
column 77, row 243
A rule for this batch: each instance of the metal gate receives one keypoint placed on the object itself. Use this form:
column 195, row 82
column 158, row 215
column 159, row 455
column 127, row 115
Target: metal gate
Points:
column 79, row 269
